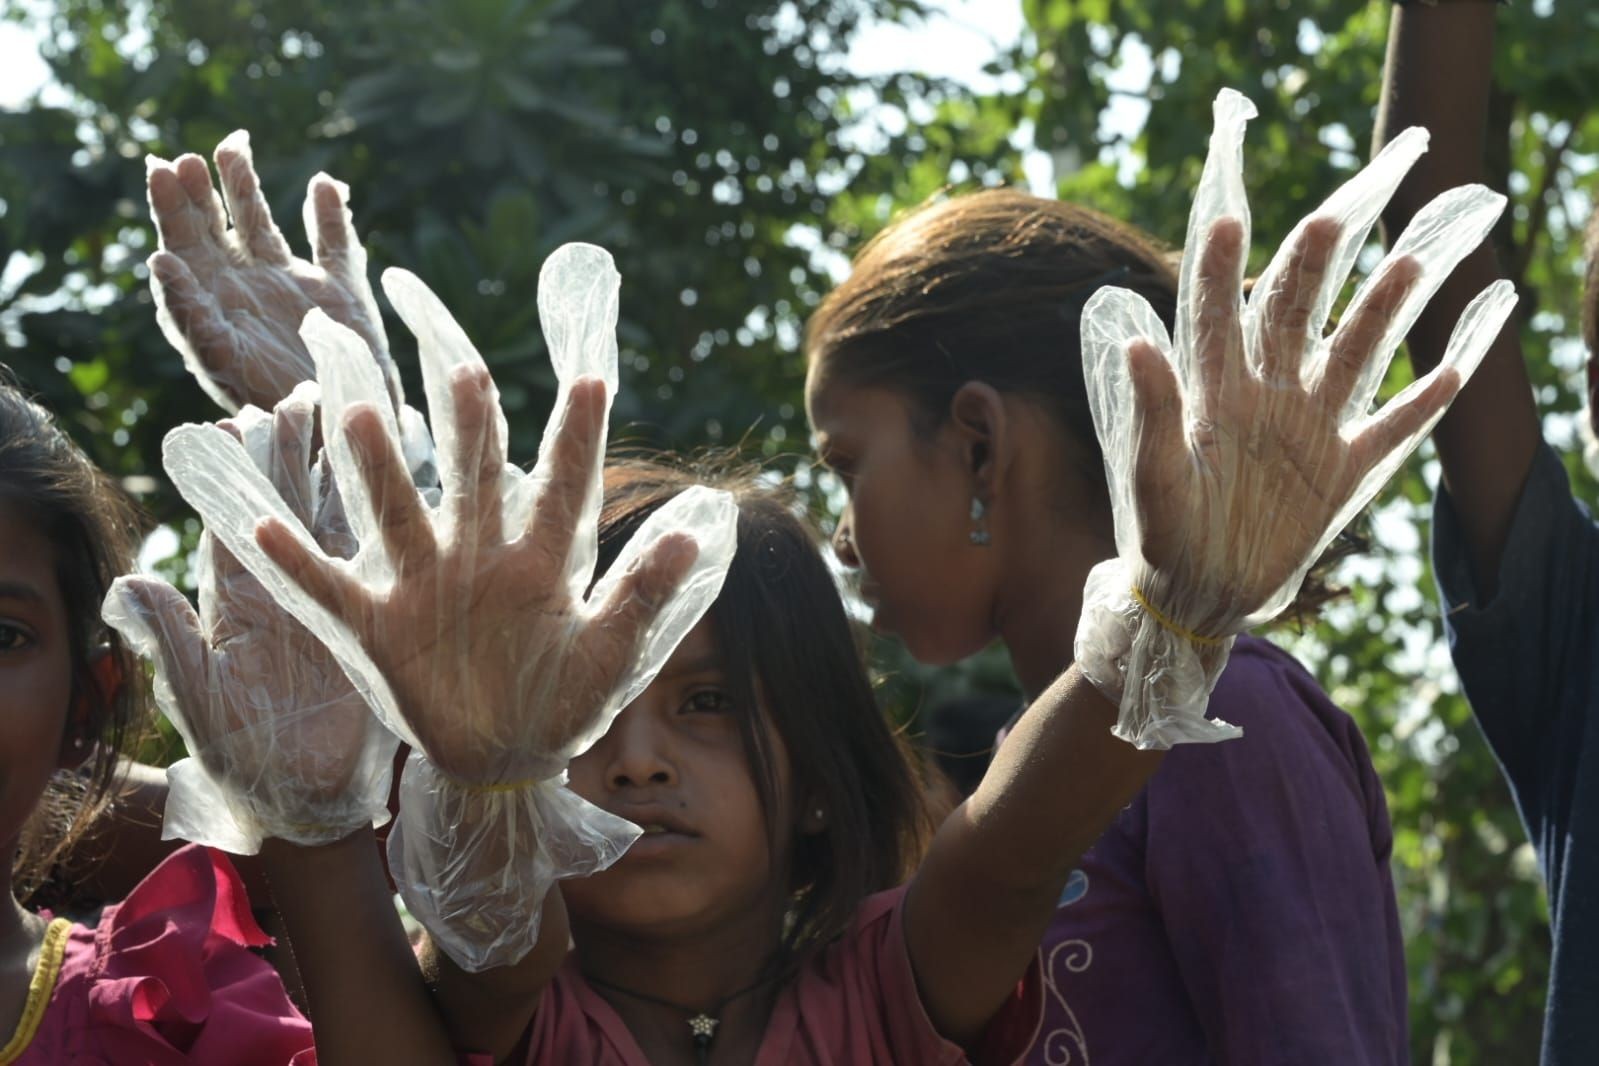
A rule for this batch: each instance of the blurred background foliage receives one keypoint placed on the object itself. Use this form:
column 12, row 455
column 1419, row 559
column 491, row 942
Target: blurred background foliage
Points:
column 729, row 157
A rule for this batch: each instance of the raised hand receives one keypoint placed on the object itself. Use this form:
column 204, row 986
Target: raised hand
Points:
column 470, row 624
column 1236, row 452
column 231, row 298
column 280, row 743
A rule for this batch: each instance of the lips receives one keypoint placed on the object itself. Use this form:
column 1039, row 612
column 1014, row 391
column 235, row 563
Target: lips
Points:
column 655, row 820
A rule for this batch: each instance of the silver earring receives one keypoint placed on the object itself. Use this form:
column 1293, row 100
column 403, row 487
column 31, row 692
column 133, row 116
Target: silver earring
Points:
column 77, row 743
column 979, row 534
column 820, row 814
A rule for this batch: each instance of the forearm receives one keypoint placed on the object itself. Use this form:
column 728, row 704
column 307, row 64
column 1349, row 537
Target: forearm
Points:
column 367, row 999
column 490, row 1011
column 1438, row 75
column 984, row 896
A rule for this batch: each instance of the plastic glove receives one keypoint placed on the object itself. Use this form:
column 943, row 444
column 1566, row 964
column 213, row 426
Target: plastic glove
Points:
column 280, row 742
column 470, row 625
column 231, row 300
column 1238, row 451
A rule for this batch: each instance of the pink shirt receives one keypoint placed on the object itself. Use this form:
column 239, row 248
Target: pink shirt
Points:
column 167, row 978
column 854, row 1003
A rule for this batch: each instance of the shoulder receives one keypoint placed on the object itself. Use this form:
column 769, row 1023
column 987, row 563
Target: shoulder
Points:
column 168, row 975
column 1300, row 756
column 573, row 1023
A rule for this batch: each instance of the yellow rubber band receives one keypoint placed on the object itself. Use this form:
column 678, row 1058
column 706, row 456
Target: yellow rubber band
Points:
column 40, row 989
column 503, row 786
column 1167, row 623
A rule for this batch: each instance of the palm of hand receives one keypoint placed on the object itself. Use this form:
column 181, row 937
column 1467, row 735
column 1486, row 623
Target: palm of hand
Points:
column 241, row 736
column 232, row 298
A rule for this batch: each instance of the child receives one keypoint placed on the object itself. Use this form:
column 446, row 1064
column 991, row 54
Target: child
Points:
column 1516, row 557
column 698, row 945
column 166, row 976
column 1244, row 896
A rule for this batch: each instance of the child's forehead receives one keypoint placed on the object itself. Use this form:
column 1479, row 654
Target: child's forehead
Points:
column 699, row 651
column 27, row 559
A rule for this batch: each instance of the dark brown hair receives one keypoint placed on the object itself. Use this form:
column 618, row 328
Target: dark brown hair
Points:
column 788, row 646
column 991, row 287
column 94, row 530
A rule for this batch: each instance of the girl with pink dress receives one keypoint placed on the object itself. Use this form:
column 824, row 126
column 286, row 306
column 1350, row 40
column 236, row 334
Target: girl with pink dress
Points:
column 166, row 976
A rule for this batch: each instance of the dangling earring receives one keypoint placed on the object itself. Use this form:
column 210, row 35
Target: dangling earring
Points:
column 979, row 534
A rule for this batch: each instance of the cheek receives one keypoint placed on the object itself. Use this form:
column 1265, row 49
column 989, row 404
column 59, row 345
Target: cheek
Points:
column 33, row 718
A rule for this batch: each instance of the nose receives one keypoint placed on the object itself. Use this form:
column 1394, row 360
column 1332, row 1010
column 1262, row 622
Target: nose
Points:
column 844, row 539
column 635, row 752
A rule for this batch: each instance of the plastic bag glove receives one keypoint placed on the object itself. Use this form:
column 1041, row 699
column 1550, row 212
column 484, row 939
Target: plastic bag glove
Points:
column 232, row 299
column 1237, row 451
column 470, row 624
column 280, row 743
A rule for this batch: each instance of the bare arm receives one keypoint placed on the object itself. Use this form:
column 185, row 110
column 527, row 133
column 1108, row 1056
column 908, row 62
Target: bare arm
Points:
column 1438, row 72
column 366, row 996
column 1000, row 861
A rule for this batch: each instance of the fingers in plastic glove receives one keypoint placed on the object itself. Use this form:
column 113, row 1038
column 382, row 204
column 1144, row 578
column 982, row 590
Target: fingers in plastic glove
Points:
column 401, row 519
column 1362, row 331
column 613, row 637
column 187, row 212
column 1410, row 415
column 349, row 378
column 1161, row 460
column 1354, row 209
column 1442, row 234
column 710, row 517
column 1218, row 336
column 467, row 442
column 241, row 192
column 471, row 480
column 307, row 567
column 1220, row 195
column 331, row 230
column 572, row 455
column 1292, row 299
column 579, row 291
column 159, row 624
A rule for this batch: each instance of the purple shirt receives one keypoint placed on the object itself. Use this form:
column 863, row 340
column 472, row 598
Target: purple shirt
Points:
column 1241, row 909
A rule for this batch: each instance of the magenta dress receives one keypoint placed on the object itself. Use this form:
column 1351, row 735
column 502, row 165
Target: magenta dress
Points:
column 167, row 977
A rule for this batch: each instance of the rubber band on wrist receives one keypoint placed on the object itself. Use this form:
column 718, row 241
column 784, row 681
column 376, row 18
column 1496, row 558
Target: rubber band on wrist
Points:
column 1168, row 623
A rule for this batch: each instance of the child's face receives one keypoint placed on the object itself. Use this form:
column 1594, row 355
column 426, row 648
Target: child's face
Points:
column 908, row 524
column 673, row 763
column 35, row 671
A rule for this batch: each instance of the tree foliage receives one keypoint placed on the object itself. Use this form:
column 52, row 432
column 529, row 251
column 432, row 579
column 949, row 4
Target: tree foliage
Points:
column 726, row 154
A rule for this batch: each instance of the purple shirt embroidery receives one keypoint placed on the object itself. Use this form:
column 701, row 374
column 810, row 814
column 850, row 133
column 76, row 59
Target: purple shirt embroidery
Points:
column 1241, row 909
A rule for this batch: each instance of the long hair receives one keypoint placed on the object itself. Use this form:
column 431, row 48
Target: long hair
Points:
column 787, row 645
column 93, row 529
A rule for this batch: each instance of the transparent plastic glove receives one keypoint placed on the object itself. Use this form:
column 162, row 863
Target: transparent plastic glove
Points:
column 470, row 625
column 1238, row 450
column 280, row 743
column 232, row 299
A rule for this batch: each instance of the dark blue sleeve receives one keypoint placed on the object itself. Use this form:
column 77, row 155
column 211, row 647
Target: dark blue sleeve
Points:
column 1525, row 657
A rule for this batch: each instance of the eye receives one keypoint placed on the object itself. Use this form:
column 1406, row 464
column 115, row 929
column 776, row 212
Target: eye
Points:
column 13, row 638
column 707, row 701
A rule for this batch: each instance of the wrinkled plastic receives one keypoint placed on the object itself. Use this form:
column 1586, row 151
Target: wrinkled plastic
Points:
column 1280, row 453
column 231, row 298
column 280, row 743
column 468, row 623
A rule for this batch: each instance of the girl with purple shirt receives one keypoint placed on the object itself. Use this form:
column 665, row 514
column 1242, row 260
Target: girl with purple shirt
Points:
column 1240, row 909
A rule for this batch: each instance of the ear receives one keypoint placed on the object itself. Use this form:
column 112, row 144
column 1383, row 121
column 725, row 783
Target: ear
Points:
column 93, row 702
column 981, row 420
